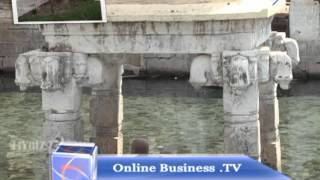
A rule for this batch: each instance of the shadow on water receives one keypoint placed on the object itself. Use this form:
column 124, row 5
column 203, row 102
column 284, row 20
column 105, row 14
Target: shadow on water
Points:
column 175, row 118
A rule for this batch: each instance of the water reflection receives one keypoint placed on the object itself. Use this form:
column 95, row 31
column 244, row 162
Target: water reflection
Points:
column 174, row 117
column 175, row 124
column 300, row 134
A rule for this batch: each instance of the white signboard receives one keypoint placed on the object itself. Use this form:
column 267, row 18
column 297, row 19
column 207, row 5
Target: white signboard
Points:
column 58, row 11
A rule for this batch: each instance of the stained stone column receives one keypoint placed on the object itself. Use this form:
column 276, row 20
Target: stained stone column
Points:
column 62, row 113
column 106, row 111
column 61, row 96
column 62, row 118
column 269, row 121
column 60, row 76
column 280, row 73
column 284, row 55
column 241, row 103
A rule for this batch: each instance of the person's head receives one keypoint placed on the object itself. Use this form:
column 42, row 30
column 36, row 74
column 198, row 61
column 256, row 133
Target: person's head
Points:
column 140, row 146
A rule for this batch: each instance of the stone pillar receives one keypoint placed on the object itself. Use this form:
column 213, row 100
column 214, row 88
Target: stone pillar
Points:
column 241, row 103
column 106, row 111
column 61, row 96
column 278, row 70
column 280, row 73
column 269, row 121
column 62, row 117
column 62, row 113
column 206, row 70
column 59, row 76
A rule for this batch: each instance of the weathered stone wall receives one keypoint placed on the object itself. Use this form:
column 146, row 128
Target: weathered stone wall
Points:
column 305, row 28
column 15, row 39
column 178, row 64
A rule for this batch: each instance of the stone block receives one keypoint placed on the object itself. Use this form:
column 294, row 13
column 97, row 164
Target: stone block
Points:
column 63, row 130
column 304, row 19
column 95, row 72
column 241, row 103
column 240, row 82
column 64, row 100
column 242, row 139
column 158, row 37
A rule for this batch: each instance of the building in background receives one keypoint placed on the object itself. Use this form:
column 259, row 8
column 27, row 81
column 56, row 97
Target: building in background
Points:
column 304, row 18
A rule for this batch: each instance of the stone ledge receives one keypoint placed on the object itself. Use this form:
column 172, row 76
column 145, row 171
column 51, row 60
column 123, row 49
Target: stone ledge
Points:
column 133, row 10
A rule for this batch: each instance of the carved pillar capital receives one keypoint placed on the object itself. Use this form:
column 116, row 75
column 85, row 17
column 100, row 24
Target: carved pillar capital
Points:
column 206, row 70
column 281, row 68
column 49, row 70
column 53, row 70
column 279, row 42
column 239, row 70
column 277, row 69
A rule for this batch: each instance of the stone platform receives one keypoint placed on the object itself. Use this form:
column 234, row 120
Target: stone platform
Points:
column 193, row 10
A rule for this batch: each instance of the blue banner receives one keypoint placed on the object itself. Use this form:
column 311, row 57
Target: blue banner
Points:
column 184, row 167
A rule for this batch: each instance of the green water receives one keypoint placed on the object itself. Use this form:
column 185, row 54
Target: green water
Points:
column 173, row 123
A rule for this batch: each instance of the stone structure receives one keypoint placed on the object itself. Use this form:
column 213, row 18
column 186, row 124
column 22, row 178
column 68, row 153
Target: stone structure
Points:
column 304, row 24
column 247, row 76
column 233, row 49
column 284, row 57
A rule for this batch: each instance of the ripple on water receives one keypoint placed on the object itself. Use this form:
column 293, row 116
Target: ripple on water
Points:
column 300, row 134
